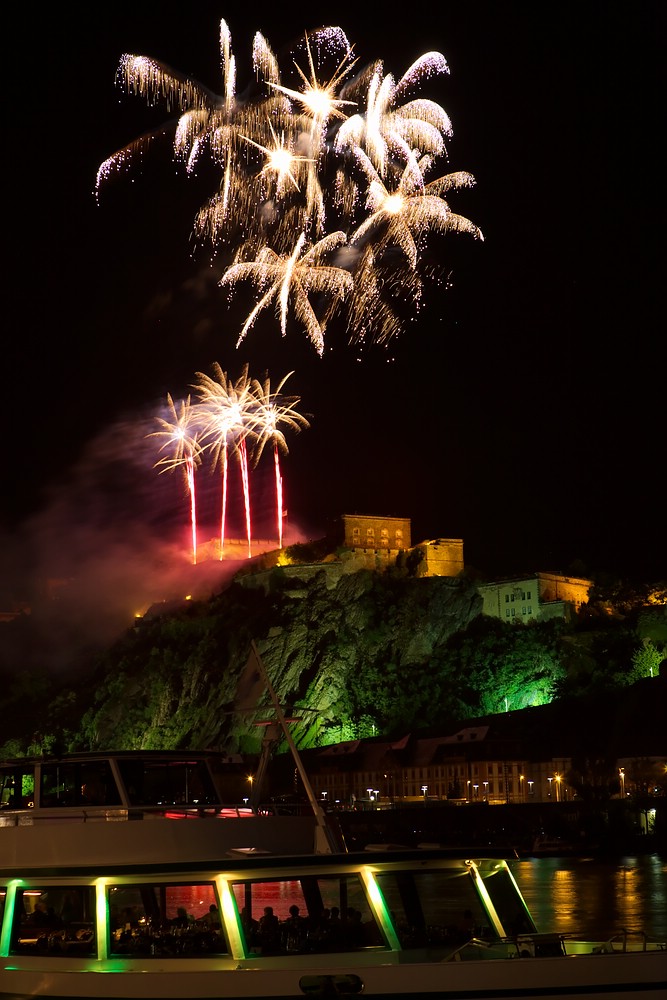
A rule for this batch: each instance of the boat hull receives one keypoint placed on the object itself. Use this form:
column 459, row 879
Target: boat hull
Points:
column 577, row 978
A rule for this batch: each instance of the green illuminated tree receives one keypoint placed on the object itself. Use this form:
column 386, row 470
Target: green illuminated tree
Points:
column 646, row 660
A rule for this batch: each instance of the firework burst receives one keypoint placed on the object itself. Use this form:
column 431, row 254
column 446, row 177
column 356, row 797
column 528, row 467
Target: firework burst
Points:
column 307, row 166
column 224, row 408
column 272, row 412
column 181, row 438
column 293, row 278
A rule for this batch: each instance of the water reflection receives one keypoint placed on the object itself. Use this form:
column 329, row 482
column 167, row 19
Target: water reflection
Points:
column 592, row 896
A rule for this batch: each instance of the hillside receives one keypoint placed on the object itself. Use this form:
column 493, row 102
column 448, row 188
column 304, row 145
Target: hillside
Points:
column 351, row 653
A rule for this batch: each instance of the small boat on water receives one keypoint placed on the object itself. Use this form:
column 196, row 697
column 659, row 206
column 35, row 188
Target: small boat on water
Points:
column 126, row 876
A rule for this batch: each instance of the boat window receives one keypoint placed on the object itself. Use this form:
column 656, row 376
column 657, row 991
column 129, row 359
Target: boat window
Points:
column 313, row 914
column 17, row 787
column 165, row 921
column 436, row 910
column 159, row 783
column 78, row 783
column 56, row 922
column 508, row 902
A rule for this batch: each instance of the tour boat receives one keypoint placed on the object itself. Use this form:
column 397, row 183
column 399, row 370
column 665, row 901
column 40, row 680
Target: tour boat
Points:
column 126, row 876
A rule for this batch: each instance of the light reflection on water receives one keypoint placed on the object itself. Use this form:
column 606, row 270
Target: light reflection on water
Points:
column 594, row 896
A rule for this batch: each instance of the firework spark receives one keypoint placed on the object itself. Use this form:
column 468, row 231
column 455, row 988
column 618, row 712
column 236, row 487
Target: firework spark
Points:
column 293, row 277
column 388, row 127
column 271, row 410
column 224, row 408
column 406, row 212
column 185, row 453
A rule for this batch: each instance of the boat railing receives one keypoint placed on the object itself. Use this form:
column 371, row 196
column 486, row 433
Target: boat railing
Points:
column 630, row 940
column 96, row 814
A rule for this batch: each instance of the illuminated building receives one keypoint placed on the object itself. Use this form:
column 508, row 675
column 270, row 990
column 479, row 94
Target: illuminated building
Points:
column 539, row 597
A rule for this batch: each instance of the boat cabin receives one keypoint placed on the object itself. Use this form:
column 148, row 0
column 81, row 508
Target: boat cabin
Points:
column 126, row 780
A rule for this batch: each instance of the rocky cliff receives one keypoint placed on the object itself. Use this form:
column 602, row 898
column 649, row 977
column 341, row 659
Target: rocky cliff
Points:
column 175, row 680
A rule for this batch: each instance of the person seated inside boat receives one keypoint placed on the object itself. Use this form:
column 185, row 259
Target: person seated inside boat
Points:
column 268, row 932
column 182, row 918
column 211, row 918
column 294, row 931
column 44, row 916
column 250, row 927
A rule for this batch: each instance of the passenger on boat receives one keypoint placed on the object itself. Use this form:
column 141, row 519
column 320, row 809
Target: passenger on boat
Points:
column 268, row 932
column 44, row 916
column 182, row 918
column 294, row 931
column 250, row 927
column 212, row 918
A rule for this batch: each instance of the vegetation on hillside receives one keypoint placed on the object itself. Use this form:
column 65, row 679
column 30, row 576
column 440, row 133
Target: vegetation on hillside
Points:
column 354, row 654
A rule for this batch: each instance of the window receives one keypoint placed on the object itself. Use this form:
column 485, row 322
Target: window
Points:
column 507, row 598
column 162, row 783
column 507, row 613
column 316, row 913
column 17, row 787
column 523, row 611
column 57, row 922
column 530, row 611
column 78, row 784
column 437, row 910
column 513, row 612
column 164, row 921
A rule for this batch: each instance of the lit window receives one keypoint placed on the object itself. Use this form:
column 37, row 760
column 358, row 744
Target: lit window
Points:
column 165, row 921
column 54, row 921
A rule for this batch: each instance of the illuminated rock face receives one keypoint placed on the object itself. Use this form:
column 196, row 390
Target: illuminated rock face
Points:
column 316, row 626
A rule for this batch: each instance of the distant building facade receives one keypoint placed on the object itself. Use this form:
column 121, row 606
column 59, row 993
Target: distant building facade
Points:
column 467, row 766
column 539, row 597
column 363, row 531
column 441, row 557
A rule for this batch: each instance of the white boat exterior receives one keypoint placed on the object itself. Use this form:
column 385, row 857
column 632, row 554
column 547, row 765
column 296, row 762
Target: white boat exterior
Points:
column 91, row 901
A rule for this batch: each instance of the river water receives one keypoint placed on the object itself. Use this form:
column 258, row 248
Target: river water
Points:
column 596, row 897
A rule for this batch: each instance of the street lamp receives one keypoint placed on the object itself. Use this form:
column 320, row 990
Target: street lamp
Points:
column 486, row 789
column 550, row 780
column 621, row 774
column 521, row 787
column 530, row 788
column 557, row 777
column 424, row 791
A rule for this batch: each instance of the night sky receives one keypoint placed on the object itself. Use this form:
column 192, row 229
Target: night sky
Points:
column 523, row 410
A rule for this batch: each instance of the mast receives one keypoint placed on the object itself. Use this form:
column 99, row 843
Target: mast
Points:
column 325, row 841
